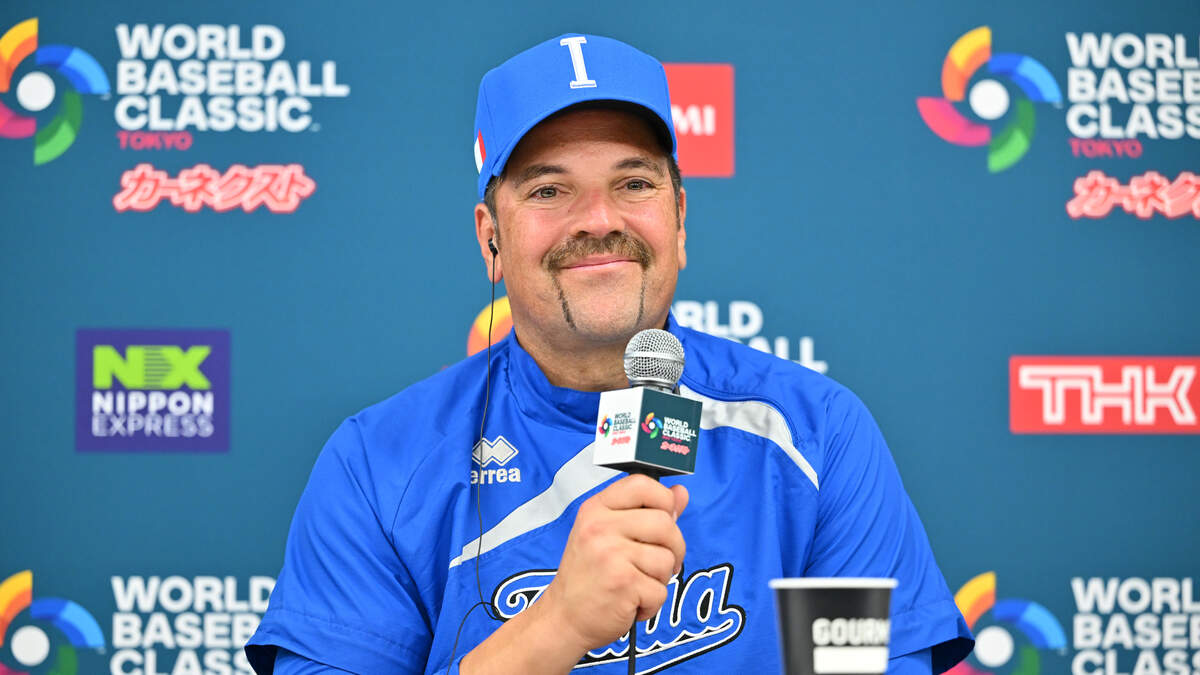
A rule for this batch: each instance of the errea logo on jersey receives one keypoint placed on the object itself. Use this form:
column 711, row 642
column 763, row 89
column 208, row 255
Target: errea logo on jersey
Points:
column 496, row 453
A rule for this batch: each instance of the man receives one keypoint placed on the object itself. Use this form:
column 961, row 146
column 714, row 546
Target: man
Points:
column 582, row 216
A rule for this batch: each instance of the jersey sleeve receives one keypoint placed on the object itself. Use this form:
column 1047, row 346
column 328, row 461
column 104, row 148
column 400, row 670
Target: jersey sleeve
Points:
column 913, row 663
column 290, row 663
column 867, row 527
column 344, row 598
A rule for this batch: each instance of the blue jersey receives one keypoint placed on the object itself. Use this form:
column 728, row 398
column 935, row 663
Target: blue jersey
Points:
column 792, row 479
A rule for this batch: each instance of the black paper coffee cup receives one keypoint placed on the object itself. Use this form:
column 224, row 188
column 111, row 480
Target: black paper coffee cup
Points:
column 834, row 625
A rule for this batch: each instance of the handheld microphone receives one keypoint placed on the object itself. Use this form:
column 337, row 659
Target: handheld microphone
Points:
column 648, row 428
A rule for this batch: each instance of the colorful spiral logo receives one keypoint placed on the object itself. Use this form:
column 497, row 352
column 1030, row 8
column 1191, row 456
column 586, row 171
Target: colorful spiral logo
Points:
column 651, row 425
column 36, row 90
column 988, row 98
column 29, row 644
column 994, row 645
column 605, row 427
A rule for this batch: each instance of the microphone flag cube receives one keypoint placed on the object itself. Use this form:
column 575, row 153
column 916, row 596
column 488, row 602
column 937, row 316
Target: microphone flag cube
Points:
column 644, row 430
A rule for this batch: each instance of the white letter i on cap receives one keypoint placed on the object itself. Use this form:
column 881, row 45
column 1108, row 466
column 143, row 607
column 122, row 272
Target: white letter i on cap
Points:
column 581, row 80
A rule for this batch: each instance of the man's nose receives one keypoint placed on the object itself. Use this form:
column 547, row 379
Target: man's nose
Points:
column 598, row 215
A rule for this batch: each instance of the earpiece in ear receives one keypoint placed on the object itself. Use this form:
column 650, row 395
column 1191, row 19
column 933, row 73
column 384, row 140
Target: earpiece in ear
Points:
column 492, row 247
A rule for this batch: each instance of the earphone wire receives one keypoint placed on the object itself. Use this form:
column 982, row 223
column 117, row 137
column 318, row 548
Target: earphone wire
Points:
column 487, row 395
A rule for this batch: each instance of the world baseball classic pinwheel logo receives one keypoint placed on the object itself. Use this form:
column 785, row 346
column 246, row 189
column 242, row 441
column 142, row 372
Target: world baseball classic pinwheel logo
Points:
column 652, row 425
column 988, row 98
column 36, row 90
column 994, row 645
column 29, row 644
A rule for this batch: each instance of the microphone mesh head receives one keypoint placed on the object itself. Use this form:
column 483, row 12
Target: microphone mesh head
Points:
column 654, row 357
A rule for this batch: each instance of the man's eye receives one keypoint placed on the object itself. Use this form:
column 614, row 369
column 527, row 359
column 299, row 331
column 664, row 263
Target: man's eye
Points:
column 637, row 185
column 546, row 192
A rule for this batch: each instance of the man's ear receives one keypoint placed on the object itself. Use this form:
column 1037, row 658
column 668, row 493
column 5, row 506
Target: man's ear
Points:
column 487, row 233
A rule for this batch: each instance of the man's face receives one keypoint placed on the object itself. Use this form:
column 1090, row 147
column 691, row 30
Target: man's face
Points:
column 591, row 240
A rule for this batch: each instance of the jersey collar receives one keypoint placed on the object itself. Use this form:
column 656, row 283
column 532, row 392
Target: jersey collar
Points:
column 556, row 406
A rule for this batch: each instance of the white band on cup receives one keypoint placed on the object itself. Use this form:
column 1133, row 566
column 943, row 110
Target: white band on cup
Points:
column 840, row 660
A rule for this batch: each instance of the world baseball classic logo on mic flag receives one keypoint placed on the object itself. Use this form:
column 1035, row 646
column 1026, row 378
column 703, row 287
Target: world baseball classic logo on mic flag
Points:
column 1103, row 394
column 643, row 429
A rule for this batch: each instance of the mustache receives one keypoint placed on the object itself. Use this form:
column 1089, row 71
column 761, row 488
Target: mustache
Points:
column 613, row 243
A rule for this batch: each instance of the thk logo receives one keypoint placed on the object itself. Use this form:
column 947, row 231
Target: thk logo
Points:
column 702, row 110
column 1103, row 394
column 497, row 452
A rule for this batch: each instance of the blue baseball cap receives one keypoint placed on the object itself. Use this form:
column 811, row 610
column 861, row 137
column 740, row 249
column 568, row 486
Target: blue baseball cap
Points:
column 559, row 73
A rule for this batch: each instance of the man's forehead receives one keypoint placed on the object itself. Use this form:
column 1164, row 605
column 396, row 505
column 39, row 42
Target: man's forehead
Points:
column 633, row 162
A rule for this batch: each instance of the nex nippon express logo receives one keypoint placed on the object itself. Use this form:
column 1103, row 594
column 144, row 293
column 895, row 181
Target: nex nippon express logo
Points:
column 1103, row 394
column 152, row 390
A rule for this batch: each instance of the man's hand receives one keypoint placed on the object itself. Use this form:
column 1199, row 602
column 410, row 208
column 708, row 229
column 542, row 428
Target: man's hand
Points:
column 623, row 549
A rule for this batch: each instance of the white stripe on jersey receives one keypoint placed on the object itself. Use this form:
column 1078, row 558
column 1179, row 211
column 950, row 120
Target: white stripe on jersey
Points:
column 753, row 417
column 572, row 479
column 579, row 475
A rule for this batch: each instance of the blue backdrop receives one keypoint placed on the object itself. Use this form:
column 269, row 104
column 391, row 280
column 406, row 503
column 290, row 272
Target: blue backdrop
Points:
column 911, row 271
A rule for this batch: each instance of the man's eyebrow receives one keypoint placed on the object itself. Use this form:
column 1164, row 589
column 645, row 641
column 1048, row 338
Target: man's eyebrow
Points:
column 640, row 163
column 536, row 171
